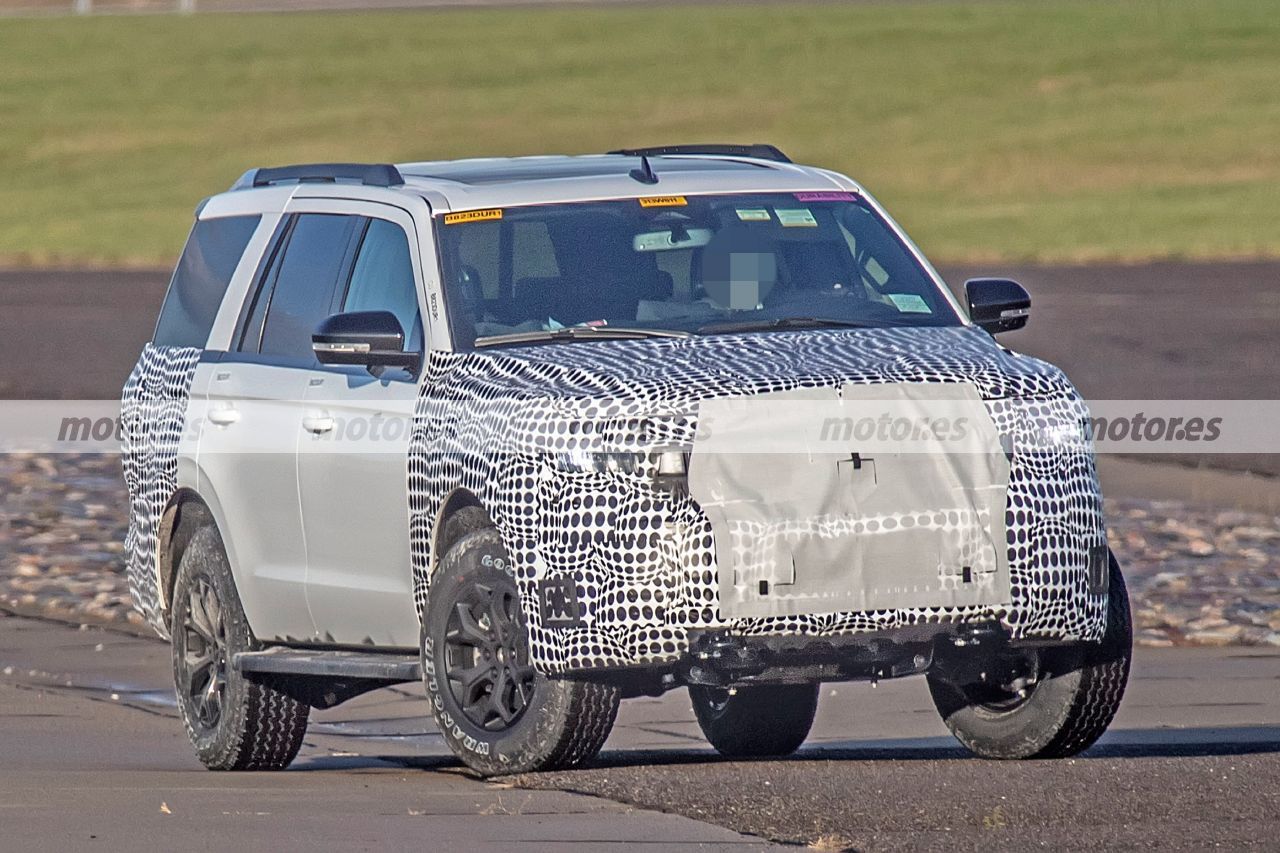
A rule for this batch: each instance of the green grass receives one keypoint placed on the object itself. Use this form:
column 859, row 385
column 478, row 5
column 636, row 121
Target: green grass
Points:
column 1064, row 131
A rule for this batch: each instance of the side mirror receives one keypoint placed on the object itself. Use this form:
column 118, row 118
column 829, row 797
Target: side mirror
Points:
column 372, row 339
column 997, row 304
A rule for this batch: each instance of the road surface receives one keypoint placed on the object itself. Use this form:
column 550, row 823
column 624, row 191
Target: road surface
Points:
column 92, row 756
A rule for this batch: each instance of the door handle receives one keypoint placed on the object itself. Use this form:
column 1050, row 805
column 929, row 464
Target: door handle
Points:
column 223, row 417
column 318, row 424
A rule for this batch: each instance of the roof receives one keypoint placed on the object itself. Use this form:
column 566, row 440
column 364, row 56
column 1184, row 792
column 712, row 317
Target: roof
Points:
column 513, row 181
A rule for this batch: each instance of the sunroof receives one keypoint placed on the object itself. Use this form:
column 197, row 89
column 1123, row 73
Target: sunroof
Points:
column 498, row 173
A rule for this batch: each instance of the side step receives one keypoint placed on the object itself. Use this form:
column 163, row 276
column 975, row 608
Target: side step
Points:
column 381, row 666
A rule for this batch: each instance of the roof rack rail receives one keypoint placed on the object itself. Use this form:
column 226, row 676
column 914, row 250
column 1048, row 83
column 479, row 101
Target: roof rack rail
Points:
column 758, row 151
column 369, row 174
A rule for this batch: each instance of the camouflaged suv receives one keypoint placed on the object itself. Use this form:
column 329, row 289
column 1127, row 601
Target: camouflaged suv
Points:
column 545, row 433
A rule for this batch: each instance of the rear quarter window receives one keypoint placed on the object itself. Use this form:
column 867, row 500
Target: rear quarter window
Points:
column 200, row 281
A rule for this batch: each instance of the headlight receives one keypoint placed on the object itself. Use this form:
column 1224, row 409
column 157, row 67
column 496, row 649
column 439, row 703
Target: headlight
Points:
column 1072, row 436
column 580, row 461
column 669, row 468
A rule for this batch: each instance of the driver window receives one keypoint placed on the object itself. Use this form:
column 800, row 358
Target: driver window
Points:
column 382, row 279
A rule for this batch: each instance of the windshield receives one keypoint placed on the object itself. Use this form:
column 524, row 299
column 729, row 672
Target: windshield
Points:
column 679, row 265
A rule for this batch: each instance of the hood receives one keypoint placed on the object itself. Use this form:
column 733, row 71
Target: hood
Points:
column 677, row 371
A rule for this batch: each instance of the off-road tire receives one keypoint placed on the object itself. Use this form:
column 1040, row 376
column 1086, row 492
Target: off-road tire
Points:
column 754, row 722
column 1068, row 709
column 257, row 727
column 564, row 723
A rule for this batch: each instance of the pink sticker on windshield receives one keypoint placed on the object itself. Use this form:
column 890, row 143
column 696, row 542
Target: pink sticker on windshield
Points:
column 826, row 196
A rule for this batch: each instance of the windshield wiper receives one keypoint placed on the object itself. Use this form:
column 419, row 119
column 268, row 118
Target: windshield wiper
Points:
column 578, row 333
column 784, row 323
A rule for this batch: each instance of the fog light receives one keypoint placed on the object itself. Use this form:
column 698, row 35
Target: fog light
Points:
column 672, row 463
column 671, row 472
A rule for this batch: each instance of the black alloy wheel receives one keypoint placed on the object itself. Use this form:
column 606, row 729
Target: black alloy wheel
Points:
column 203, row 663
column 487, row 656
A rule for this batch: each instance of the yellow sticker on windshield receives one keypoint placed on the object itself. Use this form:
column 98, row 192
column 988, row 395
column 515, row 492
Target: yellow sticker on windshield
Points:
column 663, row 201
column 472, row 216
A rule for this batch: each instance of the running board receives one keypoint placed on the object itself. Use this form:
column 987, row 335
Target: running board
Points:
column 336, row 664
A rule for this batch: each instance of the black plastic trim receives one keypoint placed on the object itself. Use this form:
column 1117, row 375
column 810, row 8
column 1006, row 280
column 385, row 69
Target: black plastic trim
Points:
column 369, row 174
column 281, row 660
column 756, row 151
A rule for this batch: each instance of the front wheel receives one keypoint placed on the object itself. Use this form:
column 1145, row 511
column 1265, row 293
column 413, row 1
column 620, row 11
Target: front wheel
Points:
column 1045, row 703
column 757, row 721
column 496, row 712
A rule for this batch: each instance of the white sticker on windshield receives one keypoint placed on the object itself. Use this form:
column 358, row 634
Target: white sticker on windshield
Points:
column 798, row 218
column 753, row 214
column 910, row 303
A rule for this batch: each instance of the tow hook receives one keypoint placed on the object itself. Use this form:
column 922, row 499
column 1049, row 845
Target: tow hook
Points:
column 719, row 657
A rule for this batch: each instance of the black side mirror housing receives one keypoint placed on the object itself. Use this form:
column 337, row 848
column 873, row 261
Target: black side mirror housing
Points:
column 372, row 339
column 997, row 304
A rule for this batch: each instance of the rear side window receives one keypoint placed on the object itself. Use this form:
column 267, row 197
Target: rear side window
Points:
column 200, row 281
column 305, row 284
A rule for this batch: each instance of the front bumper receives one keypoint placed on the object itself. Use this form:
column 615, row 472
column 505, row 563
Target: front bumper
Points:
column 636, row 579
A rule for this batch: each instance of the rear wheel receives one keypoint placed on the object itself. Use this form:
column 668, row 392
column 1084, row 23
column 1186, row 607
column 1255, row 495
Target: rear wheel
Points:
column 1045, row 703
column 497, row 713
column 762, row 720
column 234, row 723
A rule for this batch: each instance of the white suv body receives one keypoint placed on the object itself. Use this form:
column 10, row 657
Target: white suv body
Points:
column 618, row 586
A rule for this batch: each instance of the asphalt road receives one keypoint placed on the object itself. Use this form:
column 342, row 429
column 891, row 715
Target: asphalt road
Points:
column 91, row 752
column 1156, row 331
column 93, row 757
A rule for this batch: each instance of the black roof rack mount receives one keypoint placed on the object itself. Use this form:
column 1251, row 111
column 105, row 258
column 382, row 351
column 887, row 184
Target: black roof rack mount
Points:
column 369, row 174
column 758, row 151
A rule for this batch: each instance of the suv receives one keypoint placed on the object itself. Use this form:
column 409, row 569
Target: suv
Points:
column 549, row 432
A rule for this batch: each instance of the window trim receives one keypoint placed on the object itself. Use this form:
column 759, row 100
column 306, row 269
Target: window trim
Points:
column 284, row 229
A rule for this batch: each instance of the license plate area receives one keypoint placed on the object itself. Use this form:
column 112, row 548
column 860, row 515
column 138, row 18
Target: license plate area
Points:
column 811, row 515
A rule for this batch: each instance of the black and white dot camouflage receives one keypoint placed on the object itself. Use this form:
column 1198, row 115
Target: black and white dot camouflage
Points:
column 153, row 415
column 494, row 425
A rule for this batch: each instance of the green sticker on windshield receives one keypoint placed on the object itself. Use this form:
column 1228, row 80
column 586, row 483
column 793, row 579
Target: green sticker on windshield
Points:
column 798, row 218
column 909, row 303
column 753, row 214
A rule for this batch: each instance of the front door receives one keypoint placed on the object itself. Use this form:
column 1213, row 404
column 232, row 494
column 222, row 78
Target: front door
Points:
column 353, row 457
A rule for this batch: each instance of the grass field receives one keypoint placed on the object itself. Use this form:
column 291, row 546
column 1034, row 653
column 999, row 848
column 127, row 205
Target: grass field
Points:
column 1062, row 131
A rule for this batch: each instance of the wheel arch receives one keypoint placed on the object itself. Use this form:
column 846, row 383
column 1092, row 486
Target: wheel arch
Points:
column 185, row 513
column 459, row 499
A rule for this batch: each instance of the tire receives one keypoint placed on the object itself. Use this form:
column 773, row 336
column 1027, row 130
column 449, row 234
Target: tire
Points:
column 754, row 722
column 1073, row 700
column 234, row 723
column 506, row 718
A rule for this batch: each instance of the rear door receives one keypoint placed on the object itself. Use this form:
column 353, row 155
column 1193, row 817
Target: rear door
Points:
column 248, row 452
column 353, row 460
